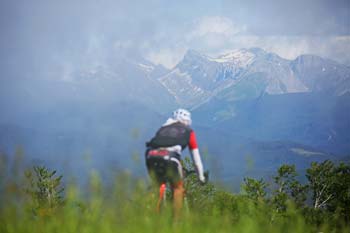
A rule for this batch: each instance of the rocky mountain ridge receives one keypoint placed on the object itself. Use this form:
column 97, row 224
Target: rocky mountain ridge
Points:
column 247, row 73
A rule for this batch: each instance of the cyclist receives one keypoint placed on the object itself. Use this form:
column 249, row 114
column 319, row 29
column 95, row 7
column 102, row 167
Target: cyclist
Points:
column 163, row 155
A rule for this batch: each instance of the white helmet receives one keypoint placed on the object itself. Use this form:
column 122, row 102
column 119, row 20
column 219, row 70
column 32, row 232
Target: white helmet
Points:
column 183, row 116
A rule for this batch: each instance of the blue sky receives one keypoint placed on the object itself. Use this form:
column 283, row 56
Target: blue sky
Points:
column 39, row 33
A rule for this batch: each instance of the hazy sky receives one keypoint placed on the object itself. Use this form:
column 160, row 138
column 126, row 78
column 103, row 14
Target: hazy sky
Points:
column 39, row 34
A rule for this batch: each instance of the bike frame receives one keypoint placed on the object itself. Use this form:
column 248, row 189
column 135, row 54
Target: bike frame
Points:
column 162, row 195
column 165, row 186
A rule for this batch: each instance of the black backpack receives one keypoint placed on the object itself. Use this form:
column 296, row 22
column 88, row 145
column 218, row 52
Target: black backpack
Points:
column 171, row 135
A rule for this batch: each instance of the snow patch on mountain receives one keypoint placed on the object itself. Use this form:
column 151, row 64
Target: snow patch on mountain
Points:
column 240, row 58
column 180, row 85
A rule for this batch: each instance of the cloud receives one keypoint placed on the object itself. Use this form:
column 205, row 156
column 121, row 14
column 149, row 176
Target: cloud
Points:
column 168, row 57
column 123, row 44
column 291, row 18
column 212, row 33
column 217, row 35
column 206, row 34
column 216, row 25
column 340, row 49
column 43, row 34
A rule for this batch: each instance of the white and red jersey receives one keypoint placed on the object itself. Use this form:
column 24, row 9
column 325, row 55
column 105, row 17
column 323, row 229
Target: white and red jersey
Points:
column 175, row 136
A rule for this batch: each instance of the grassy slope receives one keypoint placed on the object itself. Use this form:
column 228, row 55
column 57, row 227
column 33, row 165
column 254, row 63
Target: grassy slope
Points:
column 129, row 206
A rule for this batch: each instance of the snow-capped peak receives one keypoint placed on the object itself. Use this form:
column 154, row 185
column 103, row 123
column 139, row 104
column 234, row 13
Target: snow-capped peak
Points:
column 241, row 58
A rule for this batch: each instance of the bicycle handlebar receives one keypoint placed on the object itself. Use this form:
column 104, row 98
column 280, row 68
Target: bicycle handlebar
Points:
column 188, row 172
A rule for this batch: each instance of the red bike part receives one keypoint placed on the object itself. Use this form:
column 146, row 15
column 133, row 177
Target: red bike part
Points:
column 162, row 190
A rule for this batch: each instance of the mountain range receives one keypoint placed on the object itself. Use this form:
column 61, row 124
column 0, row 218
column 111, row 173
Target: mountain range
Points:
column 248, row 104
column 248, row 73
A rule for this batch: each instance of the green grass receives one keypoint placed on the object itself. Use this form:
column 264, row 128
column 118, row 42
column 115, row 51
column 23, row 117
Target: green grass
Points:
column 129, row 206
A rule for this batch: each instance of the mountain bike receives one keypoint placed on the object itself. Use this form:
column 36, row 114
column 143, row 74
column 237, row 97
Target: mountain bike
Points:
column 166, row 190
column 165, row 167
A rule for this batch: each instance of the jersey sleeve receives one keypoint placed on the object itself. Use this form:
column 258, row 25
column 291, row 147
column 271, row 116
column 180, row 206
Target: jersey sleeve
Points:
column 196, row 158
column 192, row 144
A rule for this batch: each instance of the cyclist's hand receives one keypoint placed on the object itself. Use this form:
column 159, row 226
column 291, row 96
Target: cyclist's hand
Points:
column 202, row 179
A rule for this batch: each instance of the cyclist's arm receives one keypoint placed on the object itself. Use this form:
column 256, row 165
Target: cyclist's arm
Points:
column 196, row 158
